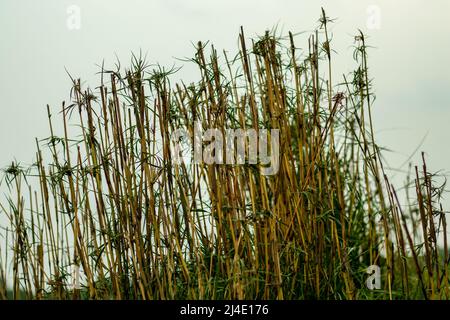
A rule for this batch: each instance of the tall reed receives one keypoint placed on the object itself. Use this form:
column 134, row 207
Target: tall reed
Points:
column 111, row 203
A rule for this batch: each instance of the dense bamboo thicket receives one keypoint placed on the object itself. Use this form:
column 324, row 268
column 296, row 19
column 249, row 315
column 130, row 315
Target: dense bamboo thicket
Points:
column 109, row 200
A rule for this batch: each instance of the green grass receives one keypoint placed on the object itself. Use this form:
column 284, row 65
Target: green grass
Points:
column 110, row 201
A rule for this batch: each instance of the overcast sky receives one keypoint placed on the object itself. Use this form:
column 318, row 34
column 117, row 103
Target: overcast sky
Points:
column 409, row 63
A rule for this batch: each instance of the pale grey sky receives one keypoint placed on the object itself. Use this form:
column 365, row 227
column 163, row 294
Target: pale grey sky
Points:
column 409, row 63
